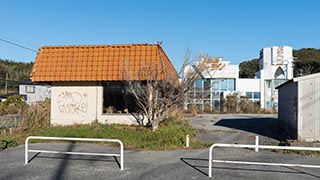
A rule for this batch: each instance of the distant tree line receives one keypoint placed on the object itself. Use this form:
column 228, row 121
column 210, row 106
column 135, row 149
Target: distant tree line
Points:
column 306, row 61
column 17, row 71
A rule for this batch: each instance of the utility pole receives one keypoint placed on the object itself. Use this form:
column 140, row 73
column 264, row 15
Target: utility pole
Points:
column 6, row 86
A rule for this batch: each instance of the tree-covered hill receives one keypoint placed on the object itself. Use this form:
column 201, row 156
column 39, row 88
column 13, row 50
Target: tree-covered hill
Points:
column 248, row 68
column 17, row 71
column 306, row 61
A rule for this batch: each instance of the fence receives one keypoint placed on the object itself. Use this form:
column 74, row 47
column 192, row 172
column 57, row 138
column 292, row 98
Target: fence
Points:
column 27, row 150
column 9, row 121
column 256, row 147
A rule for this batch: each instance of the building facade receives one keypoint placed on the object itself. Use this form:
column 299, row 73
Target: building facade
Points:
column 276, row 67
column 220, row 78
column 34, row 92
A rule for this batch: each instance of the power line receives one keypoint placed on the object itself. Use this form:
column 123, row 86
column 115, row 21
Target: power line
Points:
column 18, row 45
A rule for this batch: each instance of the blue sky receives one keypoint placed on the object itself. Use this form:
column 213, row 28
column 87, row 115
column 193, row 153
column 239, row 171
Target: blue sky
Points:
column 234, row 29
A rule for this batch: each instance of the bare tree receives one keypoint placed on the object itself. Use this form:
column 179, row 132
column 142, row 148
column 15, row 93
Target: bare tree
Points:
column 160, row 91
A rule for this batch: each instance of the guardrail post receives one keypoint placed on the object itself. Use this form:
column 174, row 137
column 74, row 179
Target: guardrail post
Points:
column 187, row 141
column 210, row 161
column 121, row 155
column 257, row 144
column 26, row 159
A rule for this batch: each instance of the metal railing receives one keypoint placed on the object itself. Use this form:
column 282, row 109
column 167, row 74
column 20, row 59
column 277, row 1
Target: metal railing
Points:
column 27, row 150
column 256, row 147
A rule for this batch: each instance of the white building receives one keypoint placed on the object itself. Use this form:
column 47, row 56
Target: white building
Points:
column 220, row 78
column 34, row 92
column 276, row 67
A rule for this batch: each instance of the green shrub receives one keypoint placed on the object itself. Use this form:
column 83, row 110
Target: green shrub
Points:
column 12, row 105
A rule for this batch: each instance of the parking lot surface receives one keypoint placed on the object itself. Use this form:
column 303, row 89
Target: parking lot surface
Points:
column 178, row 164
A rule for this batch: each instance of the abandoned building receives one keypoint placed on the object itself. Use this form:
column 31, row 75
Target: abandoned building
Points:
column 88, row 82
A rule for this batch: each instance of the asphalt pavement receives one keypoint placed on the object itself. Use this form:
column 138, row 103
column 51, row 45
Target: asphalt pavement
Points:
column 177, row 164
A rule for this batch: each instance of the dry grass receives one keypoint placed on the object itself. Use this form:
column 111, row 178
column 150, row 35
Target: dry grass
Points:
column 33, row 118
column 171, row 134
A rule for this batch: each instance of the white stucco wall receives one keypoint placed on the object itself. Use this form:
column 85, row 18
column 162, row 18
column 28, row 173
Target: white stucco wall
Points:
column 247, row 85
column 82, row 103
column 229, row 71
column 73, row 104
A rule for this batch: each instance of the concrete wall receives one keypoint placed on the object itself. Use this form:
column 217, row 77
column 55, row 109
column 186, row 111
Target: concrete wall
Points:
column 288, row 108
column 299, row 107
column 82, row 103
column 309, row 109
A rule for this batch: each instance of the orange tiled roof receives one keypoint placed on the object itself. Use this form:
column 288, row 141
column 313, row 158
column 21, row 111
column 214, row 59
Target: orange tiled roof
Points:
column 99, row 62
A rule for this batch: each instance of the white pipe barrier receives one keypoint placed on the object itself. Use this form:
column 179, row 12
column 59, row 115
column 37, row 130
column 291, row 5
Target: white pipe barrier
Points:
column 187, row 141
column 256, row 147
column 74, row 139
column 257, row 144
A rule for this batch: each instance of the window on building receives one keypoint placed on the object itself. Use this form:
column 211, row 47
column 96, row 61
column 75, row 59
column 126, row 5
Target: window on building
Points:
column 215, row 85
column 253, row 96
column 206, row 84
column 223, row 85
column 278, row 82
column 30, row 89
column 249, row 95
column 199, row 84
column 231, row 85
column 215, row 95
column 279, row 74
column 198, row 95
column 116, row 99
column 256, row 95
column 206, row 95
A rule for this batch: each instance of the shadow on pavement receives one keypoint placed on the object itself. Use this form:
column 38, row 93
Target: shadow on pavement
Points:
column 191, row 162
column 294, row 171
column 61, row 169
column 76, row 158
column 196, row 167
column 63, row 165
column 268, row 127
column 302, row 172
column 36, row 155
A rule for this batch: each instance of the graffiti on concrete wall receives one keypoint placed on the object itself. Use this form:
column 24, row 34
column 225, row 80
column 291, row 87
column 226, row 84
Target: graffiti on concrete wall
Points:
column 73, row 102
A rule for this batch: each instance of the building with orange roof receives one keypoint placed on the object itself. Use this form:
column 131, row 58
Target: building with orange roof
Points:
column 88, row 81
